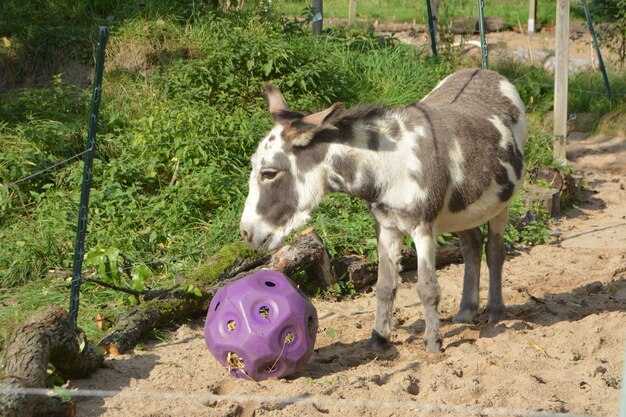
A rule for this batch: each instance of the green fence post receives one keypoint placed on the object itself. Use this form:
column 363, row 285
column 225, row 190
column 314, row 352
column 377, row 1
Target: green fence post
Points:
column 83, row 208
column 431, row 28
column 481, row 28
column 592, row 32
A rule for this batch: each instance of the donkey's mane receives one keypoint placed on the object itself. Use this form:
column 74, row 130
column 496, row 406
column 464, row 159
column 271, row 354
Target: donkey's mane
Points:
column 362, row 112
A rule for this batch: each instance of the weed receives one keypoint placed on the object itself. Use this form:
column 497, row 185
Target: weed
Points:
column 341, row 290
column 160, row 335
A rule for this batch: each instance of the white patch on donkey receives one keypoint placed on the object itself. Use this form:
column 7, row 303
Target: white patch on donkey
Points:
column 450, row 162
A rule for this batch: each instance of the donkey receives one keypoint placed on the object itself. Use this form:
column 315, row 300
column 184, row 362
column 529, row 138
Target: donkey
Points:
column 447, row 163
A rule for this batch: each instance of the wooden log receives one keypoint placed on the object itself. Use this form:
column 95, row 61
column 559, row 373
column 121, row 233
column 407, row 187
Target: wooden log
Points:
column 305, row 253
column 131, row 326
column 48, row 337
column 363, row 273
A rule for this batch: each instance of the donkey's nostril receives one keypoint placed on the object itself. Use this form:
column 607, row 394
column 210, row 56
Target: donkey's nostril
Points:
column 247, row 236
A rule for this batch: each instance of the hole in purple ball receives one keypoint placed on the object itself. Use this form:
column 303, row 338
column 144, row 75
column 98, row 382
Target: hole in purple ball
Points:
column 217, row 305
column 233, row 360
column 289, row 338
column 271, row 367
column 231, row 325
column 264, row 311
column 270, row 283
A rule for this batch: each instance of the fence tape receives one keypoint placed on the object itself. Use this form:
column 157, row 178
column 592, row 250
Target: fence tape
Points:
column 303, row 399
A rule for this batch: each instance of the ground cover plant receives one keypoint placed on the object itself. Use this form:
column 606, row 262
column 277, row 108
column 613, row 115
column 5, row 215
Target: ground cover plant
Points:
column 182, row 112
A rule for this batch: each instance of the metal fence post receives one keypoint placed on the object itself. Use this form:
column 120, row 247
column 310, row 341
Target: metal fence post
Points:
column 559, row 142
column 481, row 28
column 352, row 12
column 592, row 32
column 318, row 17
column 83, row 208
column 532, row 15
column 431, row 28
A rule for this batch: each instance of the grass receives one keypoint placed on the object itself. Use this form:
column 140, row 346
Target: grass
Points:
column 181, row 114
column 410, row 11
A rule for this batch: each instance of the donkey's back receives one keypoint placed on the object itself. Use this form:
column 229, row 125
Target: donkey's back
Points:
column 475, row 131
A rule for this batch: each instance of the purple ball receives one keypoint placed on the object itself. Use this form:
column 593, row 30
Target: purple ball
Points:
column 261, row 326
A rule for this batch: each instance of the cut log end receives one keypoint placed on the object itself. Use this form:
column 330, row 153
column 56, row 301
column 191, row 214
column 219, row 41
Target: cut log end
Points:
column 48, row 337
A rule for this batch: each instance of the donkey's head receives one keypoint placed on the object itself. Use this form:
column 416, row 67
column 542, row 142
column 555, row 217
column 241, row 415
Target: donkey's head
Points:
column 288, row 177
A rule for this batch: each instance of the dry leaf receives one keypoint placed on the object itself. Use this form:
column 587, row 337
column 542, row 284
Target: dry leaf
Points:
column 539, row 348
column 99, row 320
column 110, row 349
column 6, row 42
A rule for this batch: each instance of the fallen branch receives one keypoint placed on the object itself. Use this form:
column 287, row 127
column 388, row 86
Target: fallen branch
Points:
column 48, row 337
column 132, row 325
column 305, row 253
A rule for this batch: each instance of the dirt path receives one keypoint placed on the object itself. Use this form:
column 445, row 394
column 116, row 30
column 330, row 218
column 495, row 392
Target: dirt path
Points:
column 559, row 350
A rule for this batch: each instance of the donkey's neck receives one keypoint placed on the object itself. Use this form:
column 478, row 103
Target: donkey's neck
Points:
column 364, row 150
column 352, row 170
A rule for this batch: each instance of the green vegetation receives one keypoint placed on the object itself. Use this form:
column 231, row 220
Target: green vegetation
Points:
column 415, row 10
column 181, row 114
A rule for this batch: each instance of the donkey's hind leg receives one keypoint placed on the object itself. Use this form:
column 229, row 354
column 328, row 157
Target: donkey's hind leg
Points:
column 471, row 249
column 389, row 252
column 495, row 260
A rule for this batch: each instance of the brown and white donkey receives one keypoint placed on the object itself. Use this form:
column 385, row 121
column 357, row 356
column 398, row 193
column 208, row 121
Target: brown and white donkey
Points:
column 448, row 163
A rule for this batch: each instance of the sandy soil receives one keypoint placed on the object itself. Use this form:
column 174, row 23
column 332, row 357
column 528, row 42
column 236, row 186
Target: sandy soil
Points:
column 559, row 350
column 532, row 48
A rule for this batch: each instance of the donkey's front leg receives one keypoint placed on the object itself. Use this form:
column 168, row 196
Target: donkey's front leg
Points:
column 389, row 252
column 495, row 260
column 427, row 286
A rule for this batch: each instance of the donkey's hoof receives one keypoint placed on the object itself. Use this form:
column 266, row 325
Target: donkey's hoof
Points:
column 465, row 316
column 433, row 346
column 496, row 315
column 377, row 343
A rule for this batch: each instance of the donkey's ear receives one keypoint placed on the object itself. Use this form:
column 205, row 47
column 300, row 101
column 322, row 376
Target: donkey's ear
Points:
column 275, row 102
column 324, row 117
column 304, row 129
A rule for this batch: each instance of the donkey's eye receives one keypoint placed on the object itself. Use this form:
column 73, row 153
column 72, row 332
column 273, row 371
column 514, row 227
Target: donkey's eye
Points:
column 268, row 174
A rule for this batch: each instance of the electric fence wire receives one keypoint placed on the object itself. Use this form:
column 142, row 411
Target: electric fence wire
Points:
column 45, row 170
column 191, row 142
column 303, row 399
column 160, row 261
column 532, row 71
column 107, row 146
column 581, row 90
